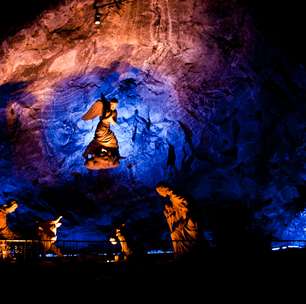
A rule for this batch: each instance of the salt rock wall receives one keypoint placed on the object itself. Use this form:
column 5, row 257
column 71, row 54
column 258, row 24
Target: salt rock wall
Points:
column 203, row 103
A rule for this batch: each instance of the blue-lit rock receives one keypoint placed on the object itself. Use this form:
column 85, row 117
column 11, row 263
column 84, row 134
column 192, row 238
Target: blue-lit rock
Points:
column 200, row 105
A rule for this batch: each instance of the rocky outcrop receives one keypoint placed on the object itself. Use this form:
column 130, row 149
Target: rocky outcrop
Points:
column 200, row 104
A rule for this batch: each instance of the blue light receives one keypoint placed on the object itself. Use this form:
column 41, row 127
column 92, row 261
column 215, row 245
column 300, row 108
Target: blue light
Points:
column 159, row 251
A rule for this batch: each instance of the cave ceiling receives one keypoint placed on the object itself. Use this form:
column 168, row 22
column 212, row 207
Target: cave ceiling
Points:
column 205, row 103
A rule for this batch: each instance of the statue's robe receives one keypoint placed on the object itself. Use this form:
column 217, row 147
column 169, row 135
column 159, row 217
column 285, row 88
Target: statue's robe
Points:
column 184, row 229
column 104, row 148
column 125, row 249
column 5, row 231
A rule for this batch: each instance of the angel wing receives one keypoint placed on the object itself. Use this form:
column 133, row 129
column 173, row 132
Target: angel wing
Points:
column 95, row 110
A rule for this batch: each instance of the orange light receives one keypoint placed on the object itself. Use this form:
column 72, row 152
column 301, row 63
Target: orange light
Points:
column 113, row 241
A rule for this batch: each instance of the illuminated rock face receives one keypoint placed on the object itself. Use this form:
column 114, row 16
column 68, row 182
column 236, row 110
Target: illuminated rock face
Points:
column 198, row 105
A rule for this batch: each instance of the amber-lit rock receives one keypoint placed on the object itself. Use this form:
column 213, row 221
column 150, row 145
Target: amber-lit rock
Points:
column 199, row 105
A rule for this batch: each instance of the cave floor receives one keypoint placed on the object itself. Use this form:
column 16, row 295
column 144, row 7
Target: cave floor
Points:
column 92, row 274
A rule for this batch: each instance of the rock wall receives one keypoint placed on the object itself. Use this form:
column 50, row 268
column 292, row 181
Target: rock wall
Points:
column 204, row 102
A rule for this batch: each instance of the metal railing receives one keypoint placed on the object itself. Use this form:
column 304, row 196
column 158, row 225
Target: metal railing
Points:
column 35, row 249
column 12, row 249
column 102, row 249
column 287, row 244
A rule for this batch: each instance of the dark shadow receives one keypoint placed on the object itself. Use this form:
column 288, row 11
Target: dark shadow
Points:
column 15, row 16
column 233, row 227
column 10, row 92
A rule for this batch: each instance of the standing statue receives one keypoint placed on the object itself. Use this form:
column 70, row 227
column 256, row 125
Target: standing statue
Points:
column 120, row 234
column 47, row 233
column 183, row 228
column 5, row 231
column 103, row 151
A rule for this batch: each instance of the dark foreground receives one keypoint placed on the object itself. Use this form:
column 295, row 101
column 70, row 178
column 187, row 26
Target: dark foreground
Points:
column 210, row 273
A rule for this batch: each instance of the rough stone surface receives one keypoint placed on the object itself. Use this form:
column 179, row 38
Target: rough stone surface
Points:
column 204, row 103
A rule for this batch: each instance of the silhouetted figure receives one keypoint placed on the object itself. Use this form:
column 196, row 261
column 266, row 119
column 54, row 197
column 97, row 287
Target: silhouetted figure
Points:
column 47, row 233
column 103, row 151
column 183, row 228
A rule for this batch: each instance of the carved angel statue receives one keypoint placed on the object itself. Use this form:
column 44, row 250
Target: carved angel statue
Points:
column 103, row 151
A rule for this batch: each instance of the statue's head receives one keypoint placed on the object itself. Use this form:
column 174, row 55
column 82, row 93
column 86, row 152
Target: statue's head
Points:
column 117, row 232
column 9, row 207
column 113, row 103
column 163, row 189
column 120, row 229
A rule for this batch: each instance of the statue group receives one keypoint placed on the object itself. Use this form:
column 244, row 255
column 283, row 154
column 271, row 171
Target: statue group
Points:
column 184, row 229
column 103, row 153
column 45, row 233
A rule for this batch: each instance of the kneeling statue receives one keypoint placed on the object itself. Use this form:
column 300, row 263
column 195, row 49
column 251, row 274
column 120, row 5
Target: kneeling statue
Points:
column 47, row 233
